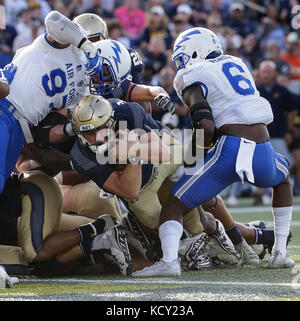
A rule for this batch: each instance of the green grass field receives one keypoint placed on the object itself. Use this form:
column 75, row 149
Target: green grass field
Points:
column 245, row 283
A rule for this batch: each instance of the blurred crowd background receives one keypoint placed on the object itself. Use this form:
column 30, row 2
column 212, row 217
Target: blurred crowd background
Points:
column 263, row 33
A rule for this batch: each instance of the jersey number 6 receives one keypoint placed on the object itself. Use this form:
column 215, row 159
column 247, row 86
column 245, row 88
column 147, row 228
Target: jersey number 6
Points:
column 235, row 80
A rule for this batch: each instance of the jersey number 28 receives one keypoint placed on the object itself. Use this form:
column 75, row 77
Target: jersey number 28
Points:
column 236, row 80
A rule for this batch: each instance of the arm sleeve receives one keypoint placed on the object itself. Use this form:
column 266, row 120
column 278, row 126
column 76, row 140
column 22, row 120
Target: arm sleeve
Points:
column 137, row 66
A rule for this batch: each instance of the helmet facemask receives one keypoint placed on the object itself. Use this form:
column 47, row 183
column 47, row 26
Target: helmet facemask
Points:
column 105, row 81
column 106, row 143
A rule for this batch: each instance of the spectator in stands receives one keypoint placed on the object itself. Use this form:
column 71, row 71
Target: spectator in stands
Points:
column 176, row 26
column 184, row 12
column 250, row 49
column 97, row 8
column 282, row 103
column 28, row 29
column 214, row 23
column 218, row 7
column 238, row 20
column 273, row 52
column 292, row 57
column 13, row 9
column 172, row 7
column 116, row 32
column 284, row 112
column 200, row 14
column 7, row 37
column 156, row 52
column 156, row 26
column 68, row 8
column 131, row 17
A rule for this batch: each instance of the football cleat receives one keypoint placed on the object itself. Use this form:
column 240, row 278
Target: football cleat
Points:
column 114, row 244
column 193, row 253
column 5, row 280
column 160, row 268
column 277, row 260
column 137, row 238
column 219, row 245
column 258, row 224
column 247, row 253
column 262, row 249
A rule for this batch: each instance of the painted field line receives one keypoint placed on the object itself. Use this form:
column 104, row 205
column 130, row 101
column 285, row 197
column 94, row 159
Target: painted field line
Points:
column 160, row 282
column 293, row 223
column 255, row 209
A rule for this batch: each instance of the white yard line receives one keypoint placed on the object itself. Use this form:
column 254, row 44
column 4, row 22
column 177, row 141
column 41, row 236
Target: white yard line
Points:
column 255, row 209
column 159, row 282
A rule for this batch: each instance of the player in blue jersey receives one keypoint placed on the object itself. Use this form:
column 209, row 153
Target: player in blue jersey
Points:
column 96, row 29
column 221, row 94
column 57, row 65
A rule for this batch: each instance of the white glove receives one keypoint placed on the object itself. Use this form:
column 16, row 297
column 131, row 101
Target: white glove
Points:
column 5, row 280
column 64, row 31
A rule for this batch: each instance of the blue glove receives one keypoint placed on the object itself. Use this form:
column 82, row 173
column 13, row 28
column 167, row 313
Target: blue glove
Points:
column 8, row 73
column 93, row 65
column 164, row 103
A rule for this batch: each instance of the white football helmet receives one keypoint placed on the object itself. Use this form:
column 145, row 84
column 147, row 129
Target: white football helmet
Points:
column 195, row 45
column 94, row 26
column 115, row 65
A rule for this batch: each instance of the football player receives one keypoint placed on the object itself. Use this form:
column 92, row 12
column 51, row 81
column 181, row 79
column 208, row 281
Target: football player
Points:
column 33, row 226
column 221, row 94
column 94, row 120
column 48, row 75
column 96, row 29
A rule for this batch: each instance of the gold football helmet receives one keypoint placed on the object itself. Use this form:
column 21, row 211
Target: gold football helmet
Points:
column 94, row 25
column 93, row 113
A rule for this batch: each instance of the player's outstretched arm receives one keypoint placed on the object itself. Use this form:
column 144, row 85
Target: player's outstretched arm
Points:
column 143, row 93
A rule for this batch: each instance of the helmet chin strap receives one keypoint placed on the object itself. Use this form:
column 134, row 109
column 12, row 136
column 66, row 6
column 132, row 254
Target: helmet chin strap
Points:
column 100, row 149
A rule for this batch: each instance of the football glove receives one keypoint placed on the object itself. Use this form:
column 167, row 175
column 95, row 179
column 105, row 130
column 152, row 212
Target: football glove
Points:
column 68, row 129
column 8, row 73
column 93, row 65
column 164, row 103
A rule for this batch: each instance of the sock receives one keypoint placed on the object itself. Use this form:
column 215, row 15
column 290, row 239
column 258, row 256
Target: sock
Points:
column 282, row 220
column 170, row 233
column 92, row 229
column 88, row 232
column 235, row 235
column 48, row 267
column 264, row 236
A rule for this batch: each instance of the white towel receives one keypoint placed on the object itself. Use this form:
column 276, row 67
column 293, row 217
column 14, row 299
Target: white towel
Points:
column 244, row 159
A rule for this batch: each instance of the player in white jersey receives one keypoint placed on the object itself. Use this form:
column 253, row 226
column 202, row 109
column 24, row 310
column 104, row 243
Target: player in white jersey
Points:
column 49, row 75
column 222, row 98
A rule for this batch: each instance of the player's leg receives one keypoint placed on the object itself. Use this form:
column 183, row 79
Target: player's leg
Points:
column 196, row 187
column 85, row 199
column 272, row 169
column 239, row 234
column 41, row 204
